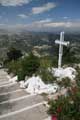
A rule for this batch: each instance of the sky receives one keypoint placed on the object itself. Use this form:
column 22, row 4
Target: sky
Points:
column 40, row 15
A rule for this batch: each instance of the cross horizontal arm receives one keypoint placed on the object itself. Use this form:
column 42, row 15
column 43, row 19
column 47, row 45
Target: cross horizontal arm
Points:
column 62, row 43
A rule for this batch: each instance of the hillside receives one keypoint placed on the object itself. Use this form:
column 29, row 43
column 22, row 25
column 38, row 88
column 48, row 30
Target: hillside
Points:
column 41, row 43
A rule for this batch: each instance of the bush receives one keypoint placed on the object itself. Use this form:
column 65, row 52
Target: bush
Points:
column 30, row 65
column 45, row 63
column 22, row 67
column 66, row 108
column 47, row 76
column 78, row 77
column 14, row 66
column 55, row 61
column 21, row 75
column 64, row 82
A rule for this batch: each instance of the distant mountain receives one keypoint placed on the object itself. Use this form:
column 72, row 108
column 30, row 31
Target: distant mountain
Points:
column 3, row 31
column 15, row 30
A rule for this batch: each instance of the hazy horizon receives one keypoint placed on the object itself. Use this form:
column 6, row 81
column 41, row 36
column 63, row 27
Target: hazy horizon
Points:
column 43, row 16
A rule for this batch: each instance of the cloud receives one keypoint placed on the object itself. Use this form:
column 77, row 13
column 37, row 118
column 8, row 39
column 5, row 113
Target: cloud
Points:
column 48, row 23
column 14, row 2
column 43, row 21
column 65, row 17
column 59, row 24
column 23, row 16
column 45, row 25
column 40, row 23
column 44, row 8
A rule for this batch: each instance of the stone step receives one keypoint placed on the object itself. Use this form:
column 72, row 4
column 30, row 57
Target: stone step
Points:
column 11, row 106
column 10, row 88
column 36, row 113
column 3, row 74
column 12, row 95
column 5, row 82
column 2, row 79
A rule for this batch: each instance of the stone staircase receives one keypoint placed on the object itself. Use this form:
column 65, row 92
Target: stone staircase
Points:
column 16, row 104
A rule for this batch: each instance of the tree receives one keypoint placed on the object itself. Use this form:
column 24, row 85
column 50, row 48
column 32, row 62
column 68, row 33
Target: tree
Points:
column 13, row 54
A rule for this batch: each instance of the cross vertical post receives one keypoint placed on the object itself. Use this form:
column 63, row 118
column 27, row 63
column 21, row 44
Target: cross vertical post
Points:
column 60, row 50
column 61, row 43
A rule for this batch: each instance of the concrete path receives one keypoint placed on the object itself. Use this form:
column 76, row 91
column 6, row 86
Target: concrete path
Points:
column 16, row 104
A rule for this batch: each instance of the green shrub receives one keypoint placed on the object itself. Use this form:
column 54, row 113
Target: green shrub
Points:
column 64, row 82
column 47, row 76
column 21, row 75
column 78, row 76
column 27, row 66
column 66, row 108
column 14, row 66
column 45, row 62
column 55, row 61
column 30, row 65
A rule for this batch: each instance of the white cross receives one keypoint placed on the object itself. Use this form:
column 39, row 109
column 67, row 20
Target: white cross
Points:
column 61, row 43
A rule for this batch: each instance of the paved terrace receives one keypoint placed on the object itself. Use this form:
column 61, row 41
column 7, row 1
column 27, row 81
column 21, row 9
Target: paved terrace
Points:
column 16, row 104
